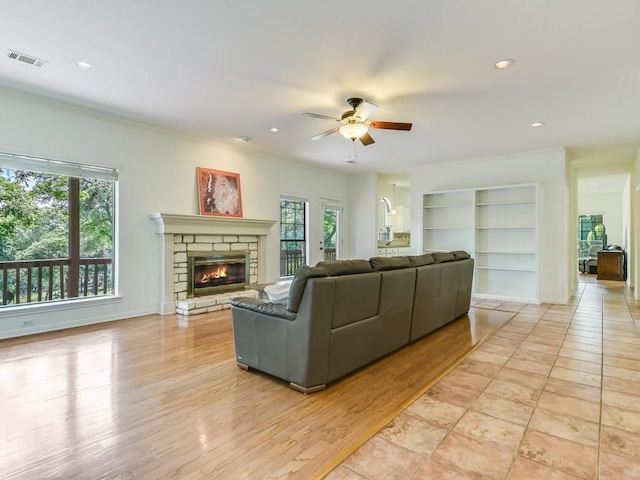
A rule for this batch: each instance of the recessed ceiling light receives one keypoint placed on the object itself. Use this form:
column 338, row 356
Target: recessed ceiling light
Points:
column 244, row 139
column 83, row 65
column 506, row 63
column 274, row 129
column 537, row 124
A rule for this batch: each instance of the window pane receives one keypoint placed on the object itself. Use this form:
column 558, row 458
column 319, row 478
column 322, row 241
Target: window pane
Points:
column 293, row 243
column 96, row 218
column 591, row 231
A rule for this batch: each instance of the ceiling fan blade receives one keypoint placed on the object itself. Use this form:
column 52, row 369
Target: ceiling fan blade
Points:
column 391, row 125
column 364, row 111
column 366, row 139
column 317, row 115
column 324, row 134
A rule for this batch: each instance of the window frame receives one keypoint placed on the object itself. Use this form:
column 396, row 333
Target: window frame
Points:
column 74, row 174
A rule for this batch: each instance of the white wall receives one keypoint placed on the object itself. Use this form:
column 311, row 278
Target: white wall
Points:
column 626, row 227
column 610, row 205
column 364, row 203
column 157, row 174
column 571, row 195
column 635, row 222
column 547, row 167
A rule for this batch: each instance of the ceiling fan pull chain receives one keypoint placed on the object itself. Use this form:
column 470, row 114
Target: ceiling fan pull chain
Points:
column 355, row 153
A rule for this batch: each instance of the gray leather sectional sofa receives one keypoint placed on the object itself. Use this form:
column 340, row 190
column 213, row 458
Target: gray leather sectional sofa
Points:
column 343, row 314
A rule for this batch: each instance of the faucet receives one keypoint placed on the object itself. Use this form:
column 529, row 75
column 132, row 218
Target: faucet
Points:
column 389, row 236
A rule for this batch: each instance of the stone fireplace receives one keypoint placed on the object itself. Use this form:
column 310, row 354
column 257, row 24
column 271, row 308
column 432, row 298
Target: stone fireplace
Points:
column 185, row 236
column 217, row 272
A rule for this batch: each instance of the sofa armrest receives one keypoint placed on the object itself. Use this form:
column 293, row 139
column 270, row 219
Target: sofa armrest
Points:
column 261, row 306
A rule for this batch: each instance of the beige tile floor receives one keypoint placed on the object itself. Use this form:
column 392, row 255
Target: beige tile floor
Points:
column 554, row 394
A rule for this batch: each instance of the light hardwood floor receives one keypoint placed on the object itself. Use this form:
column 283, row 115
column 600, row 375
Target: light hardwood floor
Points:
column 159, row 397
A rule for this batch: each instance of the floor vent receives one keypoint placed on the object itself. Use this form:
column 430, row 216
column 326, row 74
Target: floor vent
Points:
column 36, row 62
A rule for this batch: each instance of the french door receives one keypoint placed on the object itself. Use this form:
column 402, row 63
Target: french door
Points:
column 331, row 228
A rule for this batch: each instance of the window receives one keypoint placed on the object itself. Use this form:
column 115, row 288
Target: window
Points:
column 293, row 234
column 56, row 230
column 591, row 231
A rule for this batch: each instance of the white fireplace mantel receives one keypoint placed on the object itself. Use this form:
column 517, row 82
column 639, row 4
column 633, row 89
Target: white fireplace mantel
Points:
column 169, row 224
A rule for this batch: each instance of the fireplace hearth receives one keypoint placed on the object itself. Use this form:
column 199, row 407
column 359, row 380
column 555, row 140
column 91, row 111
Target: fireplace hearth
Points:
column 210, row 273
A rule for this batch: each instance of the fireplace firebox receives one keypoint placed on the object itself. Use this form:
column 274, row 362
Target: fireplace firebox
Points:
column 216, row 272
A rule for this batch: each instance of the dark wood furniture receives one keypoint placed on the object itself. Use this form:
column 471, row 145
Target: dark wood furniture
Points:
column 611, row 265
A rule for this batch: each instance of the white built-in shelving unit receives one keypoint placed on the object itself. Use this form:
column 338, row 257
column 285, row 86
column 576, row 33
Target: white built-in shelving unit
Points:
column 498, row 226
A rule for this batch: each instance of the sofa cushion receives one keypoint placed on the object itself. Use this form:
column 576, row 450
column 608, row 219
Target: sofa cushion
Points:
column 420, row 260
column 460, row 254
column 441, row 257
column 299, row 282
column 335, row 268
column 379, row 264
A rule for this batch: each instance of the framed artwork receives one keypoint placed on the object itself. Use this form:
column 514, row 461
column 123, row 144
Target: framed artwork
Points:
column 219, row 193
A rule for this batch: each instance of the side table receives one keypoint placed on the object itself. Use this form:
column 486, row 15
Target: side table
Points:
column 611, row 265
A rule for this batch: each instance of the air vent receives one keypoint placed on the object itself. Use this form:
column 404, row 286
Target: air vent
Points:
column 21, row 57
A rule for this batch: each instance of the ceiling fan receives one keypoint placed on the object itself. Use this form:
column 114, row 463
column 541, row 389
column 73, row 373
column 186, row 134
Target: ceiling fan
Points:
column 356, row 123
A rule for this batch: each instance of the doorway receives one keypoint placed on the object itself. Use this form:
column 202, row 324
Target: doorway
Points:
column 604, row 219
column 331, row 228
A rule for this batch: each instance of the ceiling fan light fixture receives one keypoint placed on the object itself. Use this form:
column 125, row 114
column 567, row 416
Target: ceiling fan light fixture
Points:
column 353, row 131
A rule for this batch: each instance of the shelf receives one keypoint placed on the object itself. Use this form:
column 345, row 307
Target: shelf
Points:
column 529, row 227
column 504, row 252
column 506, row 240
column 448, row 199
column 453, row 205
column 507, row 195
column 505, row 298
column 506, row 283
column 443, row 217
column 509, row 269
column 506, row 261
column 447, row 228
column 491, row 204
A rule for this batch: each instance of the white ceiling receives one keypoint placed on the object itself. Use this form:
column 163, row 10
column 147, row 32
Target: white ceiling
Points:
column 224, row 69
column 602, row 184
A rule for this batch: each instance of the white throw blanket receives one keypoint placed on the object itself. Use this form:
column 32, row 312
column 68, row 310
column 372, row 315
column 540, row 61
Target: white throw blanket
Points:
column 278, row 293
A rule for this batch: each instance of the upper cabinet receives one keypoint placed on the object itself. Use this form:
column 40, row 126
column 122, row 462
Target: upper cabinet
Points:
column 498, row 227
